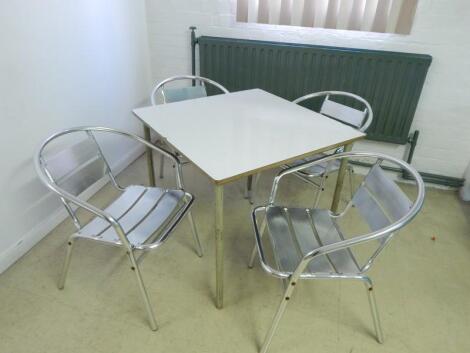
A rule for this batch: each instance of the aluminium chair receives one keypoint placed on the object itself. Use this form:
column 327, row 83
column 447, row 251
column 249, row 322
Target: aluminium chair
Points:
column 359, row 119
column 177, row 94
column 310, row 243
column 139, row 220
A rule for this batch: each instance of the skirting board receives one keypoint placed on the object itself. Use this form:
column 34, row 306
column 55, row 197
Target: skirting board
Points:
column 27, row 241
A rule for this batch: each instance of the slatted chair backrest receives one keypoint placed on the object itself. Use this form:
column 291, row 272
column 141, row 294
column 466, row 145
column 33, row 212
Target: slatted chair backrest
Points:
column 177, row 94
column 380, row 201
column 360, row 119
column 75, row 167
column 342, row 112
column 74, row 161
column 171, row 95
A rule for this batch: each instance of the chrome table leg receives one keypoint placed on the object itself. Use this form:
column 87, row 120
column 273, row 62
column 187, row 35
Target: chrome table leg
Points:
column 340, row 180
column 219, row 245
column 149, row 153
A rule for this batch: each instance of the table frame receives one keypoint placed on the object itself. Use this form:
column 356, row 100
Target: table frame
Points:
column 219, row 201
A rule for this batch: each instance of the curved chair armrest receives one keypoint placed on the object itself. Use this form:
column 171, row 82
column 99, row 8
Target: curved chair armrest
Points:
column 306, row 165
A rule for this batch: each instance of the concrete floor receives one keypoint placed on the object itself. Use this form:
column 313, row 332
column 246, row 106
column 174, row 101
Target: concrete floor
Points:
column 422, row 288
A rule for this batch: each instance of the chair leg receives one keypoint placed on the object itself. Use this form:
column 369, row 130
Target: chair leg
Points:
column 254, row 187
column 373, row 308
column 253, row 252
column 321, row 188
column 162, row 165
column 197, row 242
column 143, row 291
column 252, row 257
column 149, row 155
column 248, row 187
column 351, row 184
column 65, row 268
column 277, row 318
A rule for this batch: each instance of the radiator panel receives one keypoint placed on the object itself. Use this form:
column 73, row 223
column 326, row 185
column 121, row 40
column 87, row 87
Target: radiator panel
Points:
column 392, row 82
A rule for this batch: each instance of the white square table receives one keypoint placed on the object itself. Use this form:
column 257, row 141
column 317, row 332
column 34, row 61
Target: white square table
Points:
column 234, row 135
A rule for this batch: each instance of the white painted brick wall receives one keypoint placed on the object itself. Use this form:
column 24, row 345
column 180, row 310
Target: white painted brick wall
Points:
column 441, row 29
column 62, row 64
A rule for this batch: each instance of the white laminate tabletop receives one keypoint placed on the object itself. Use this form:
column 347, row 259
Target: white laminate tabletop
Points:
column 237, row 134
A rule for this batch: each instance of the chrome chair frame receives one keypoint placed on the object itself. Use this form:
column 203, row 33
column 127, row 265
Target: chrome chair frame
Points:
column 160, row 86
column 154, row 241
column 383, row 234
column 323, row 173
column 368, row 111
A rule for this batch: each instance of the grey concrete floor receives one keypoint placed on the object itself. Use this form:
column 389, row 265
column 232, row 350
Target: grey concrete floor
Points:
column 422, row 288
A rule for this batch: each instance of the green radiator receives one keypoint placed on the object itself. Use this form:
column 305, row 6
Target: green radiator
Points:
column 390, row 81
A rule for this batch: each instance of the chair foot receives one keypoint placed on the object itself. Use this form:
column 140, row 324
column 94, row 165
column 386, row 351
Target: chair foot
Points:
column 66, row 266
column 374, row 311
column 277, row 318
column 135, row 268
column 197, row 242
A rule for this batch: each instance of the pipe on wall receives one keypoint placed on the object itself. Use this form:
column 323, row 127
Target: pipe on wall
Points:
column 427, row 177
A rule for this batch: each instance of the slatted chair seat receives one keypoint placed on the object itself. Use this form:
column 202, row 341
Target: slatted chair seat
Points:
column 295, row 232
column 142, row 212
